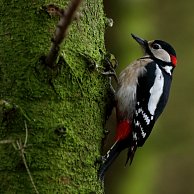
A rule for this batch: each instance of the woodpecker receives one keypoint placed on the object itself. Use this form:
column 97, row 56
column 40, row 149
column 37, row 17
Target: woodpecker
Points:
column 142, row 93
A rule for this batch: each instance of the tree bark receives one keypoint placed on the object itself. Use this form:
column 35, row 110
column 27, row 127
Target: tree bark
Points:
column 52, row 119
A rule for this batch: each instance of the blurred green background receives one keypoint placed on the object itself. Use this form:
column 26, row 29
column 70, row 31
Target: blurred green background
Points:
column 165, row 164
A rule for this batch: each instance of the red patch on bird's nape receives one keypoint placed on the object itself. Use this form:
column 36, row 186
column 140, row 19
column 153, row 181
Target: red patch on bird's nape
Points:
column 173, row 60
column 123, row 129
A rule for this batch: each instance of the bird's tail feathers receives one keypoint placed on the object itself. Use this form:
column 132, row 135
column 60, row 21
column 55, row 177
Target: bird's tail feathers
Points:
column 114, row 151
column 131, row 152
column 108, row 159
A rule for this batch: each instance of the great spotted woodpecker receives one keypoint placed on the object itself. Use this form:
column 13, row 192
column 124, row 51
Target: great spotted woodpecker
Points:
column 142, row 94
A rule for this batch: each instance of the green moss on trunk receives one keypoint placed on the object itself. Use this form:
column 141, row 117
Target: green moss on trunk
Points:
column 64, row 109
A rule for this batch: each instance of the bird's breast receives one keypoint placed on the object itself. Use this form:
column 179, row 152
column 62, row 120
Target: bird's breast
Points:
column 126, row 92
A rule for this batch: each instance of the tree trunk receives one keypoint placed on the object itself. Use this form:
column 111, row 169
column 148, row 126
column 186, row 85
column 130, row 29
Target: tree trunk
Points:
column 52, row 119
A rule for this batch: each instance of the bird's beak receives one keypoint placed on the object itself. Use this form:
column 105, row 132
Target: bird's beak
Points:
column 143, row 43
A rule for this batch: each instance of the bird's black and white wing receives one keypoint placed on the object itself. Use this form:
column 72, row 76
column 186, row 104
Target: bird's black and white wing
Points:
column 151, row 100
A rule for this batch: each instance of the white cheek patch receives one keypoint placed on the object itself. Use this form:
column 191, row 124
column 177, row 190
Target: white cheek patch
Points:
column 161, row 54
column 156, row 91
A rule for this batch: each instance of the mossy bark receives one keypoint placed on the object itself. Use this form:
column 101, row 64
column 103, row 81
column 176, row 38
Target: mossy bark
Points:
column 62, row 109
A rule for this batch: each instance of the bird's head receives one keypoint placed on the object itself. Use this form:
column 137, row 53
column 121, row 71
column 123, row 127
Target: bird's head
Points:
column 158, row 49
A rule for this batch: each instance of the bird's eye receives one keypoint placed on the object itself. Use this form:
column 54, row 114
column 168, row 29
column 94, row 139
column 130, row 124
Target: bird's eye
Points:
column 156, row 46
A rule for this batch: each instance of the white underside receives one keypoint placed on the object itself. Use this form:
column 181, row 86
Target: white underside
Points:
column 128, row 80
column 126, row 96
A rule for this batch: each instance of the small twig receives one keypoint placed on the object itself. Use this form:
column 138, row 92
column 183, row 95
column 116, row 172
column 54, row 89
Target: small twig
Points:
column 7, row 141
column 26, row 138
column 7, row 33
column 21, row 149
column 61, row 31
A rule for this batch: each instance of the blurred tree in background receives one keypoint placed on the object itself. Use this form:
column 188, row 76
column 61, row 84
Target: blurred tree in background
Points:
column 165, row 163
